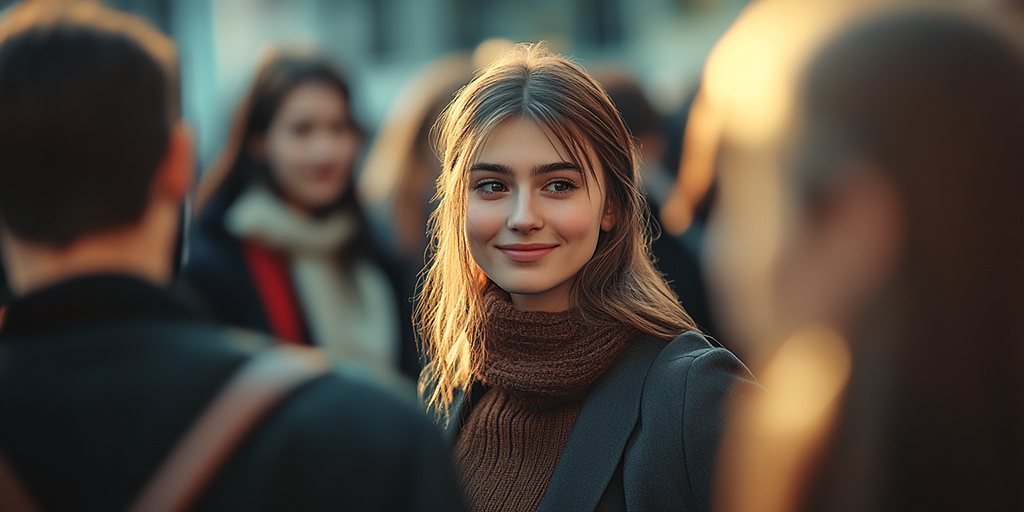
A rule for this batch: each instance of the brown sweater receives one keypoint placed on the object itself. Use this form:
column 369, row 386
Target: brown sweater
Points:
column 539, row 367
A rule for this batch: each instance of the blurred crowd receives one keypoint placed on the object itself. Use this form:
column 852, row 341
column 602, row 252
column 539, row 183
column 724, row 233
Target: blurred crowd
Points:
column 839, row 205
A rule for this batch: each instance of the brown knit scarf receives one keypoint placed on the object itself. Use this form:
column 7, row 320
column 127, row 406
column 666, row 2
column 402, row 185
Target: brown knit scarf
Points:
column 539, row 367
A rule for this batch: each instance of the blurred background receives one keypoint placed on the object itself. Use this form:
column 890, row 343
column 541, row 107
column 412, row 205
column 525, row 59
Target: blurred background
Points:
column 382, row 44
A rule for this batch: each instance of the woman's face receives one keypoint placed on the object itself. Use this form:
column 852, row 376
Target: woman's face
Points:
column 311, row 146
column 532, row 221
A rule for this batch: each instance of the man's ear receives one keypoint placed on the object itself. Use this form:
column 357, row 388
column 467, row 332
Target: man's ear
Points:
column 174, row 178
column 850, row 246
column 865, row 224
column 609, row 217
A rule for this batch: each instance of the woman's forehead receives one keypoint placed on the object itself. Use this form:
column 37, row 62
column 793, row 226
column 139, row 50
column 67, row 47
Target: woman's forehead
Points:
column 567, row 141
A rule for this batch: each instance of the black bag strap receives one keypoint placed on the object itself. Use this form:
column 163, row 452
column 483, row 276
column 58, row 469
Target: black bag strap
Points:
column 252, row 391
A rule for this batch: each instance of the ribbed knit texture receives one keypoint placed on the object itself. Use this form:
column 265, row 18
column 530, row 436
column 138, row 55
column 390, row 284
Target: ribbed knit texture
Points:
column 539, row 367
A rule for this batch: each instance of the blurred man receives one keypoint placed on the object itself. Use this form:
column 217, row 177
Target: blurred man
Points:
column 888, row 230
column 102, row 373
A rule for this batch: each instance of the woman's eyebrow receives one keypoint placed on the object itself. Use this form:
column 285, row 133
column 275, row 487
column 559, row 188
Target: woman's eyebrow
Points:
column 555, row 167
column 540, row 169
column 496, row 168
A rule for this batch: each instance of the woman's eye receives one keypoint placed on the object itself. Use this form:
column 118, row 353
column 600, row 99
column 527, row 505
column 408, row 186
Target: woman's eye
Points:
column 302, row 129
column 343, row 128
column 560, row 186
column 491, row 187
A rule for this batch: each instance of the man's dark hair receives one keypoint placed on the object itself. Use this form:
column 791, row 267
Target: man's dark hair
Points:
column 88, row 97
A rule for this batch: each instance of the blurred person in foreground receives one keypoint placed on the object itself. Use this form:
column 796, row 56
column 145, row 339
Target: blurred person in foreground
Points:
column 102, row 372
column 282, row 244
column 895, row 233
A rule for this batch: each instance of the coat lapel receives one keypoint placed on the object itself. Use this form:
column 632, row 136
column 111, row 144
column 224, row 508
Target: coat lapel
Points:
column 599, row 436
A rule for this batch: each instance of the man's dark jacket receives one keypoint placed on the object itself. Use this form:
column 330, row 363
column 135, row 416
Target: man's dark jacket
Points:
column 100, row 376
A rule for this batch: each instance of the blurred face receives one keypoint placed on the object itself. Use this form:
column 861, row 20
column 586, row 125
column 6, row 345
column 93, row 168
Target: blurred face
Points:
column 532, row 221
column 777, row 267
column 311, row 146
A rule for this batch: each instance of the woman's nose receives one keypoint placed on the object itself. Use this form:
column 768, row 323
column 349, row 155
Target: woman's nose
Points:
column 324, row 147
column 524, row 216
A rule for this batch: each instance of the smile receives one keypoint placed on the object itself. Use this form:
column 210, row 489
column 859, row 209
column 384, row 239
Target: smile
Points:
column 524, row 253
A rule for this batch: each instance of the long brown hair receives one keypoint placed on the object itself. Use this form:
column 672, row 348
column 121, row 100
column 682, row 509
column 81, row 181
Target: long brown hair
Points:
column 619, row 284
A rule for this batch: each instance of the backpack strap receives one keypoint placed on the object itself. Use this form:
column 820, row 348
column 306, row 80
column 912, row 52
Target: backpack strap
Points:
column 255, row 388
column 14, row 497
column 259, row 385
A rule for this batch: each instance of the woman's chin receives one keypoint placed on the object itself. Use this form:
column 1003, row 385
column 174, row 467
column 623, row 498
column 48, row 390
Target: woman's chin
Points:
column 312, row 202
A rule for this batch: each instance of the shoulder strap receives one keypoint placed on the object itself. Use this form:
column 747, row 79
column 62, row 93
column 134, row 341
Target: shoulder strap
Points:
column 252, row 391
column 14, row 497
column 259, row 385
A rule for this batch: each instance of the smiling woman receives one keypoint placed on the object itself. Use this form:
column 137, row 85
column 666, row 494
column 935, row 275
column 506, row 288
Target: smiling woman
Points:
column 310, row 147
column 551, row 335
column 533, row 221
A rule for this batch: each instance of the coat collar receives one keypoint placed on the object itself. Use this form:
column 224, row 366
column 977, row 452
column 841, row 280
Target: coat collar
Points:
column 606, row 419
column 87, row 300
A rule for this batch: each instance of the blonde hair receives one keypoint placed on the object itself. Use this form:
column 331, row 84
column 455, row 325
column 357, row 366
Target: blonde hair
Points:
column 618, row 285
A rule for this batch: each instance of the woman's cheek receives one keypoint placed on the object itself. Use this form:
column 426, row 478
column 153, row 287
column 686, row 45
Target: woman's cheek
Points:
column 482, row 224
column 577, row 225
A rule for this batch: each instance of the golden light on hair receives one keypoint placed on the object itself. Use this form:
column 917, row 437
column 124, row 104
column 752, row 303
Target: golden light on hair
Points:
column 805, row 378
column 91, row 13
column 752, row 71
column 748, row 89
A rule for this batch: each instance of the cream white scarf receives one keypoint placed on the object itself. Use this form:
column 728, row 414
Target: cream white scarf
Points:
column 352, row 314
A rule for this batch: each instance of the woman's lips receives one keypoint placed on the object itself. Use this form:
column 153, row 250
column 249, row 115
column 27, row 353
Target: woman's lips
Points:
column 525, row 253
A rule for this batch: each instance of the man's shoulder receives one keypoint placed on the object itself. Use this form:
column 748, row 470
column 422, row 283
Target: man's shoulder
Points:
column 212, row 252
column 340, row 441
column 335, row 402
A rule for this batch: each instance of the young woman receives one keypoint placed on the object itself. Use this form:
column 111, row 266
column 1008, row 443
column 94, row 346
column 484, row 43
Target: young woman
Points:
column 281, row 243
column 561, row 362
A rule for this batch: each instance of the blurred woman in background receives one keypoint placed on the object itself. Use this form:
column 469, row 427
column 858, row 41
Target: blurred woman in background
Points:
column 281, row 243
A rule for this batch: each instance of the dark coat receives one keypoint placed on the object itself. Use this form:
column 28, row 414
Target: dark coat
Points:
column 217, row 275
column 100, row 376
column 647, row 435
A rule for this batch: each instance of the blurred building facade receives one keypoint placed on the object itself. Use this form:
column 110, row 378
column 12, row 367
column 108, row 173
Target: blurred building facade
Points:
column 381, row 44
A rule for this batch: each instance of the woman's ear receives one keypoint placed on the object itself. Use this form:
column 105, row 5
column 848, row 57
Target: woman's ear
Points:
column 609, row 217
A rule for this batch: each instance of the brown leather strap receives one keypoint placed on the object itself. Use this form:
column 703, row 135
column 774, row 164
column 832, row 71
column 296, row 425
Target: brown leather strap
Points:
column 14, row 497
column 254, row 389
